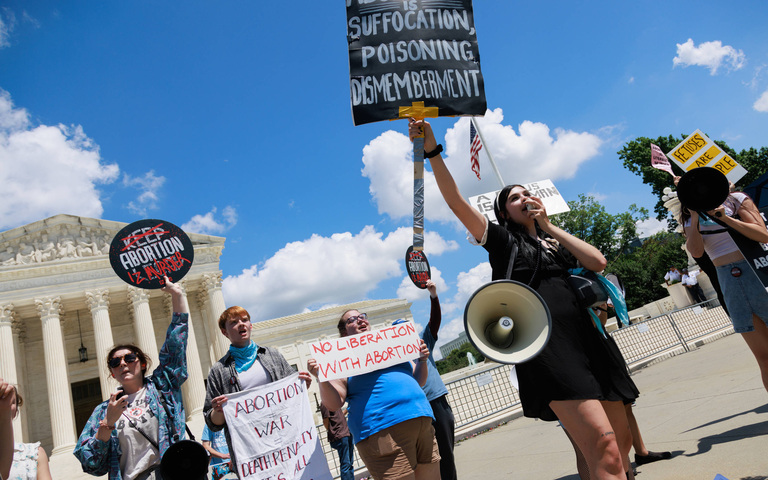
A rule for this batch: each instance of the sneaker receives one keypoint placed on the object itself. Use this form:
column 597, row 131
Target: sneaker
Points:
column 652, row 457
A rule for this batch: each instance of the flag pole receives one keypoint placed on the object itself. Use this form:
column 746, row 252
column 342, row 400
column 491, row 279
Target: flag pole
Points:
column 488, row 152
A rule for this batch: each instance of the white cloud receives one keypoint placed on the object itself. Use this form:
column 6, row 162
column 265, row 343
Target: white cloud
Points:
column 148, row 185
column 761, row 105
column 41, row 166
column 6, row 27
column 412, row 293
column 651, row 226
column 712, row 55
column 389, row 168
column 534, row 154
column 208, row 224
column 319, row 271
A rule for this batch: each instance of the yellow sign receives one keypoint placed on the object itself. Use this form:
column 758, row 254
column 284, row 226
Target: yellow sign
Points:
column 698, row 150
column 690, row 147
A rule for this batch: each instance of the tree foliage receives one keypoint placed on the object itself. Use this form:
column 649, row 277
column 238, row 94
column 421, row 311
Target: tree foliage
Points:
column 458, row 359
column 642, row 271
column 636, row 155
column 588, row 220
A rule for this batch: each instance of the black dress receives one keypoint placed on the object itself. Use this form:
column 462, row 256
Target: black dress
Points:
column 577, row 363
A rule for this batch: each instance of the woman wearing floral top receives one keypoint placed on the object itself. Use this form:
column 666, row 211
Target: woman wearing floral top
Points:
column 127, row 435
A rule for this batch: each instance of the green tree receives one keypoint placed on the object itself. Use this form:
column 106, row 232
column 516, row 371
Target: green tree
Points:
column 636, row 156
column 642, row 271
column 588, row 220
column 458, row 359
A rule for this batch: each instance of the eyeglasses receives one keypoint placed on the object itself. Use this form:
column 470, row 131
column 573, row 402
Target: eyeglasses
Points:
column 115, row 362
column 354, row 318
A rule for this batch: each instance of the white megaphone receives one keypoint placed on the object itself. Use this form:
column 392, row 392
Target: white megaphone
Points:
column 507, row 321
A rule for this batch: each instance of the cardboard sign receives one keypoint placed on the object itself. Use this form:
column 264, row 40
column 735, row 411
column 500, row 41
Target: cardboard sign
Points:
column 142, row 252
column 553, row 202
column 698, row 150
column 366, row 352
column 659, row 160
column 273, row 433
column 417, row 265
column 407, row 51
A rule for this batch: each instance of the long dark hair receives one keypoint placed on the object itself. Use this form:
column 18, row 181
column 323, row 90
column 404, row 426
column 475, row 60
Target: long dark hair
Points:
column 527, row 246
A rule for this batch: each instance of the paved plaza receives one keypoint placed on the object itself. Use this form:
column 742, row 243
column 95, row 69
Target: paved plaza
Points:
column 707, row 406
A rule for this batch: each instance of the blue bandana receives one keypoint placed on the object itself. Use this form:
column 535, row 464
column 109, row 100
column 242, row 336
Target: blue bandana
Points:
column 245, row 356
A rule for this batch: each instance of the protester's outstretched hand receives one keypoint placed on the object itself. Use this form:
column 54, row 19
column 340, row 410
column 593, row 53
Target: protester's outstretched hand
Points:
column 7, row 398
column 423, row 351
column 303, row 375
column 431, row 288
column 417, row 127
column 312, row 367
column 217, row 404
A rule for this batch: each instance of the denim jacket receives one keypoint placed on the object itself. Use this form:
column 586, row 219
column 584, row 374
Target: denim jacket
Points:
column 99, row 458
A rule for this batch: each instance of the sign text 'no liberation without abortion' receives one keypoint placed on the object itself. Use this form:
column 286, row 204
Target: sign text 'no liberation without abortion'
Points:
column 406, row 51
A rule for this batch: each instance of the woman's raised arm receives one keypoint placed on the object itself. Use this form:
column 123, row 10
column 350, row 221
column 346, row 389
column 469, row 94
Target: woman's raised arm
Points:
column 472, row 219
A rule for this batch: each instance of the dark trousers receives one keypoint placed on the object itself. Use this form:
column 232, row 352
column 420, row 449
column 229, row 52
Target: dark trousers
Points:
column 697, row 293
column 444, row 429
column 346, row 450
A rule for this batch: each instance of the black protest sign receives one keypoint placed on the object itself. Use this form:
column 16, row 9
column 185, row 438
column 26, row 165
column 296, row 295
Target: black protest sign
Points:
column 145, row 251
column 417, row 266
column 406, row 51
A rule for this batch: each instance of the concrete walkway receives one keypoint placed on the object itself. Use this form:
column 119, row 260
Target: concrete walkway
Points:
column 707, row 406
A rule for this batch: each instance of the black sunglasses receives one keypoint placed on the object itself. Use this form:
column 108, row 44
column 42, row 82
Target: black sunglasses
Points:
column 114, row 362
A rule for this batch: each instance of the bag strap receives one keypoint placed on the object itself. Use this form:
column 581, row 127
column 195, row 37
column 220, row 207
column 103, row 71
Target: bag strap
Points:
column 512, row 255
column 512, row 246
column 135, row 426
column 168, row 415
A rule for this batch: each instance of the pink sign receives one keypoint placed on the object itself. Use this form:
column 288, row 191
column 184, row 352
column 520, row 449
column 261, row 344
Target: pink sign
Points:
column 659, row 160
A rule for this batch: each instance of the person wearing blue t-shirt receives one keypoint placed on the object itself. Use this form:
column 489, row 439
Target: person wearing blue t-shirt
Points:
column 216, row 444
column 389, row 415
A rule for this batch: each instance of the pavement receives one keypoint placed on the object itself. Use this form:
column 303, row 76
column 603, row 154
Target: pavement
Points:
column 708, row 407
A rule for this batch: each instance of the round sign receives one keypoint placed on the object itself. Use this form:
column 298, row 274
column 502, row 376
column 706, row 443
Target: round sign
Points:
column 145, row 251
column 417, row 266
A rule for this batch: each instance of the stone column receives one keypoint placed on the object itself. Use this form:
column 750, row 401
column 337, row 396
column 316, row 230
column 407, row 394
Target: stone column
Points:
column 98, row 303
column 142, row 323
column 208, row 325
column 193, row 390
column 216, row 305
column 56, row 375
column 8, row 358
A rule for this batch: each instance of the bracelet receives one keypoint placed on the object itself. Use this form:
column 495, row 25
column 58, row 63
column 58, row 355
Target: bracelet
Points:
column 103, row 423
column 422, row 360
column 438, row 149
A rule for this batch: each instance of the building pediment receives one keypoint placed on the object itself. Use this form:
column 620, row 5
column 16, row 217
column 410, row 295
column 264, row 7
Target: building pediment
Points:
column 67, row 238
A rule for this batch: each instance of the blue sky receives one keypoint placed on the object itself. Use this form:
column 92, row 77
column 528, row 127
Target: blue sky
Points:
column 233, row 118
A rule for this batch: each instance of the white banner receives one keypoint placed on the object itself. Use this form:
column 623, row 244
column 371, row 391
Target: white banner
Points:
column 273, row 433
column 553, row 202
column 365, row 352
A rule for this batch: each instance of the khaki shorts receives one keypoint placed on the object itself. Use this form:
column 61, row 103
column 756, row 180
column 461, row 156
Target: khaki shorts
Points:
column 395, row 451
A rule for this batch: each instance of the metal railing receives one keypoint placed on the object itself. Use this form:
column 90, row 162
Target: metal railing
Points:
column 489, row 392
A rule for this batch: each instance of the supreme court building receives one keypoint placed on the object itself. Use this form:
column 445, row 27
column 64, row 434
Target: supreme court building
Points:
column 62, row 308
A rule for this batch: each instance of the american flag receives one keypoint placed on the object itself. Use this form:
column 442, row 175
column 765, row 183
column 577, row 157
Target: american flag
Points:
column 475, row 145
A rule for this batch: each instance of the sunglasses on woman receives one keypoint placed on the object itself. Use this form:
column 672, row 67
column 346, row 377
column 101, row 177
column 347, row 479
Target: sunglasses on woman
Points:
column 114, row 362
